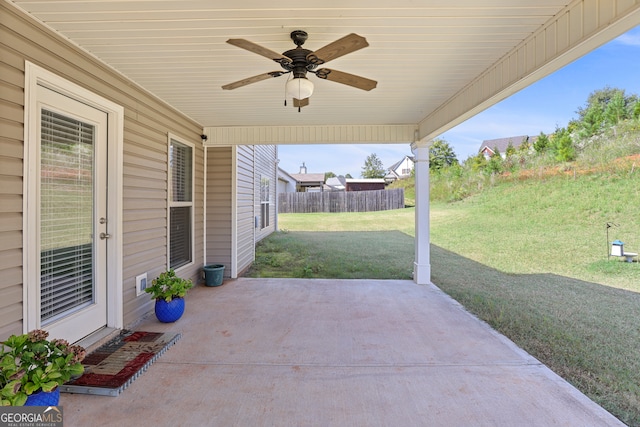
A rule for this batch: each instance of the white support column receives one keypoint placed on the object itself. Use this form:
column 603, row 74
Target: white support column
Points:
column 277, row 203
column 422, row 263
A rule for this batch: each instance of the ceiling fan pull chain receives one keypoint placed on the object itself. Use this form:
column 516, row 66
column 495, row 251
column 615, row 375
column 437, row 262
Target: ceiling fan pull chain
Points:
column 285, row 92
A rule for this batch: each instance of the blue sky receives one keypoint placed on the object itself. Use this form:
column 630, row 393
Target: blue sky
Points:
column 541, row 107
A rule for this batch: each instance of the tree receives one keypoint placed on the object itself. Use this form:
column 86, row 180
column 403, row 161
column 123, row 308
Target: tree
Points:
column 328, row 175
column 591, row 123
column 373, row 167
column 563, row 146
column 525, row 146
column 617, row 109
column 599, row 100
column 477, row 162
column 495, row 163
column 441, row 155
column 542, row 143
column 511, row 150
column 348, row 176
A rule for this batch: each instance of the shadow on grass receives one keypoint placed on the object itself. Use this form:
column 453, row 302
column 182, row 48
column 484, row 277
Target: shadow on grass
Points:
column 586, row 332
column 333, row 255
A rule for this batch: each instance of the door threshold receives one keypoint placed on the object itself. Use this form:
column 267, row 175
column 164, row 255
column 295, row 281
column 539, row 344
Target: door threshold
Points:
column 98, row 338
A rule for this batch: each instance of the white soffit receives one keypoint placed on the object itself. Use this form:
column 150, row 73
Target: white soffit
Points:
column 434, row 60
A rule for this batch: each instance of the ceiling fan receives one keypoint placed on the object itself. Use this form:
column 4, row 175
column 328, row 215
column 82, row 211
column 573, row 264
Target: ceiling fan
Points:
column 300, row 61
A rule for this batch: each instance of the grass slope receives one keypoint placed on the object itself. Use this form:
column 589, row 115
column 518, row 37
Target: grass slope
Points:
column 556, row 225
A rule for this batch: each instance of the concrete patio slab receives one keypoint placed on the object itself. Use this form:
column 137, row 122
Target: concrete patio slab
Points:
column 297, row 352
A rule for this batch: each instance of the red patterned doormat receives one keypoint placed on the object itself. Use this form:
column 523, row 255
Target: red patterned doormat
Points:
column 112, row 367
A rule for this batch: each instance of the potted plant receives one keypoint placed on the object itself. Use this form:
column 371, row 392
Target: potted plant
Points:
column 32, row 368
column 169, row 290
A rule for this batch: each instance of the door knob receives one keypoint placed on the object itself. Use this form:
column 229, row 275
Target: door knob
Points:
column 104, row 236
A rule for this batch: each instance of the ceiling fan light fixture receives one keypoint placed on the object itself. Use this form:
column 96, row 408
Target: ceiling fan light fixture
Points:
column 299, row 88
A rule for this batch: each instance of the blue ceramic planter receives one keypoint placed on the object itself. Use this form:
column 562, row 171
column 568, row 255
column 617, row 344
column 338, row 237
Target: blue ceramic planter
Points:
column 43, row 398
column 169, row 312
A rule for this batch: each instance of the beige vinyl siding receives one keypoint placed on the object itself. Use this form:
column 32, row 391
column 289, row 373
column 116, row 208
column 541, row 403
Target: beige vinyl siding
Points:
column 198, row 217
column 245, row 190
column 219, row 207
column 11, row 187
column 265, row 166
column 147, row 124
column 251, row 163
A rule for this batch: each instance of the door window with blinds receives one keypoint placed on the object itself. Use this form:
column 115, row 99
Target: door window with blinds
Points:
column 180, row 204
column 66, row 215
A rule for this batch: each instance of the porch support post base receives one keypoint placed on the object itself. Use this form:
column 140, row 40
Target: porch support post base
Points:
column 422, row 273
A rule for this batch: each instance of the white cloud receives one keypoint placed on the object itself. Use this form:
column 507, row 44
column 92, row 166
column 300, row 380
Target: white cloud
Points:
column 632, row 38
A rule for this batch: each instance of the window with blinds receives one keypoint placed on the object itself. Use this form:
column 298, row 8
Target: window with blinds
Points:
column 180, row 204
column 264, row 201
column 66, row 215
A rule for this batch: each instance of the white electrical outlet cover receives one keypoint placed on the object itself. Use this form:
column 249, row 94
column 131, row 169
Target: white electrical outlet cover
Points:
column 141, row 283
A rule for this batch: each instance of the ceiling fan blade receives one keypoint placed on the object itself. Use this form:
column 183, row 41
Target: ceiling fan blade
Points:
column 256, row 48
column 299, row 103
column 346, row 79
column 347, row 44
column 254, row 79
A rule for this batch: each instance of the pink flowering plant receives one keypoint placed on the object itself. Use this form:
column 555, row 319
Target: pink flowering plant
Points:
column 30, row 363
column 168, row 286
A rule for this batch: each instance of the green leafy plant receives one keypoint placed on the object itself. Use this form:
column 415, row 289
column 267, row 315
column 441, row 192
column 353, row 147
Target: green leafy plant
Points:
column 30, row 363
column 168, row 286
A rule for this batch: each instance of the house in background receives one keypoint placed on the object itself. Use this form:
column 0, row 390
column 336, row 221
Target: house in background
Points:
column 286, row 183
column 490, row 146
column 308, row 182
column 400, row 170
column 336, row 183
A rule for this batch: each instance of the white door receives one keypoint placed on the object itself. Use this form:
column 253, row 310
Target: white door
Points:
column 71, row 300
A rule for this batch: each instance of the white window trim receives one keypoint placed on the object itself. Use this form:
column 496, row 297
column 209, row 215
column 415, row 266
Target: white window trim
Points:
column 171, row 204
column 34, row 76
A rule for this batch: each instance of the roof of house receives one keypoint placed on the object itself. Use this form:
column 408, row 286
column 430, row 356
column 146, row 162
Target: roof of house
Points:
column 284, row 175
column 365, row 181
column 308, row 177
column 502, row 143
column 336, row 182
column 398, row 163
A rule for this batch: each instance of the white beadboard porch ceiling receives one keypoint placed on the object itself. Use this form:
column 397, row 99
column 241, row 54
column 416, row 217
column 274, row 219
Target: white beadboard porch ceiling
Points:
column 421, row 52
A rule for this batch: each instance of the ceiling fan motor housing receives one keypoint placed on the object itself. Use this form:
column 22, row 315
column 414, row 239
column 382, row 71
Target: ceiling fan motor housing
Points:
column 299, row 64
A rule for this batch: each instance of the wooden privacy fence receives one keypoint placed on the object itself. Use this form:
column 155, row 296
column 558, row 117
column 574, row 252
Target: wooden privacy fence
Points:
column 341, row 201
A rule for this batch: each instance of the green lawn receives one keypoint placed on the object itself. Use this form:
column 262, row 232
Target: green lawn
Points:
column 331, row 246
